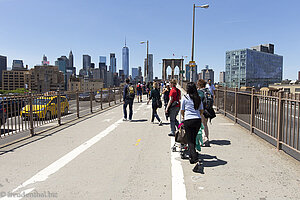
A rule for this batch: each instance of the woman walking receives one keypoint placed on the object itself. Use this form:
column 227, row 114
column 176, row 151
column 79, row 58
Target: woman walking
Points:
column 191, row 110
column 166, row 94
column 155, row 97
column 201, row 91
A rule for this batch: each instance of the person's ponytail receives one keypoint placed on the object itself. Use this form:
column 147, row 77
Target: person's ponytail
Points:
column 192, row 92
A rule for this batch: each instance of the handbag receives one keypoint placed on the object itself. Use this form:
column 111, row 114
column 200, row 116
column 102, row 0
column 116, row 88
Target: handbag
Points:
column 180, row 135
column 158, row 103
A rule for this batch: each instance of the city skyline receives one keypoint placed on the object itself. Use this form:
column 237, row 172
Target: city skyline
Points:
column 224, row 26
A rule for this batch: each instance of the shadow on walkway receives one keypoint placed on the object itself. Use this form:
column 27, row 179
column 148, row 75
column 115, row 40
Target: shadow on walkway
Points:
column 139, row 120
column 213, row 161
column 220, row 142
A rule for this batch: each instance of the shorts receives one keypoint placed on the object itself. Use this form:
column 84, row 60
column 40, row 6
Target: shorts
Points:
column 139, row 93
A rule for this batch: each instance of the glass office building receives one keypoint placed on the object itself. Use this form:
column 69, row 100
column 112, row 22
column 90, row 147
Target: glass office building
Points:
column 125, row 60
column 252, row 67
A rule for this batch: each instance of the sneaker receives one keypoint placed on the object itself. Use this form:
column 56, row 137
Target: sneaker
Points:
column 206, row 144
column 160, row 123
column 171, row 134
column 130, row 120
column 124, row 119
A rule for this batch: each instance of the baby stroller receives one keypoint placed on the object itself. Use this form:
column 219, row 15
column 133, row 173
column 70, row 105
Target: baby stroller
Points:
column 181, row 142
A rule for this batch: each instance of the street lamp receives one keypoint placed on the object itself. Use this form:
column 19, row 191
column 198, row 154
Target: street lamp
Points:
column 192, row 62
column 182, row 72
column 147, row 68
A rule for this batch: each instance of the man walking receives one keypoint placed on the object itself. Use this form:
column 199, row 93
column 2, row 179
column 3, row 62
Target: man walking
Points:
column 173, row 106
column 210, row 86
column 139, row 89
column 128, row 97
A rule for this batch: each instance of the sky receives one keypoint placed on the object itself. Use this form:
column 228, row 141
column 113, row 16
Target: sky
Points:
column 31, row 28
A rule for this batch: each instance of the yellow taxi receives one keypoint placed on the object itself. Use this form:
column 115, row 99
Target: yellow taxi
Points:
column 45, row 107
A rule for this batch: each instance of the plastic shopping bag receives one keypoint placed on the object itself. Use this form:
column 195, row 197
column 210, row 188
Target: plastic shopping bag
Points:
column 199, row 139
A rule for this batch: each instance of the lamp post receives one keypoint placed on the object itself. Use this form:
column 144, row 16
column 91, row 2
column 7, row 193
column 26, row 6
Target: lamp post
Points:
column 147, row 65
column 182, row 72
column 192, row 62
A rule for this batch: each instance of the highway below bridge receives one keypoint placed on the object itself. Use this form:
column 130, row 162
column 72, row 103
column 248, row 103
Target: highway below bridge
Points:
column 100, row 156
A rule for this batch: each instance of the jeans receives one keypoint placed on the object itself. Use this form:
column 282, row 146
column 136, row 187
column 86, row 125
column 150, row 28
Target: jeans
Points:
column 191, row 127
column 173, row 112
column 154, row 114
column 130, row 103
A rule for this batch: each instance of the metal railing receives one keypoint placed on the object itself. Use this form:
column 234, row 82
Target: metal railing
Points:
column 273, row 116
column 34, row 113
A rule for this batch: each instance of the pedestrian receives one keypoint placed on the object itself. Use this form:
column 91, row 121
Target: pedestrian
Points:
column 204, row 95
column 147, row 89
column 139, row 89
column 128, row 97
column 191, row 110
column 166, row 94
column 173, row 107
column 156, row 102
column 210, row 86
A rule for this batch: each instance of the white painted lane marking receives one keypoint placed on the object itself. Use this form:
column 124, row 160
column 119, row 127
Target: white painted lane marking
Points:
column 107, row 120
column 54, row 167
column 178, row 186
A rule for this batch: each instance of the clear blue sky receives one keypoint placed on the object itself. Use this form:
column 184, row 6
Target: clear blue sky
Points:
column 31, row 28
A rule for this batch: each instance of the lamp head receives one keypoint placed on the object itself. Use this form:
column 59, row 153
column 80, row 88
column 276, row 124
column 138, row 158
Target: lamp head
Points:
column 205, row 6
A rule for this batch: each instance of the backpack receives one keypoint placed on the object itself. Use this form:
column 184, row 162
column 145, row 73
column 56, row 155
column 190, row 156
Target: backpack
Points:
column 130, row 92
column 208, row 100
column 208, row 103
column 139, row 87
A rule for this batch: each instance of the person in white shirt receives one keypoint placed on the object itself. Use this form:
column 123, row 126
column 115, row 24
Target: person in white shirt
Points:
column 210, row 86
column 191, row 110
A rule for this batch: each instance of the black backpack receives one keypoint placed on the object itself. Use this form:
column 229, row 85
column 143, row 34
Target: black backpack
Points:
column 208, row 103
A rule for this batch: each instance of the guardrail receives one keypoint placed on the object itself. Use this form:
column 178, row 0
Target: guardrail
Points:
column 38, row 112
column 274, row 117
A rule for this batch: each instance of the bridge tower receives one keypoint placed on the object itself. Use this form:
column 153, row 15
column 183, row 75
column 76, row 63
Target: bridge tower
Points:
column 173, row 63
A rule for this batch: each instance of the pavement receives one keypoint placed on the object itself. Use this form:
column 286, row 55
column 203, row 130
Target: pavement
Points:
column 103, row 157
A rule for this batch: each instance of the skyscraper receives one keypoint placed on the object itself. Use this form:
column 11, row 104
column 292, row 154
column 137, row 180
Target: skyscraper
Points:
column 257, row 67
column 113, row 63
column 208, row 74
column 103, row 69
column 62, row 63
column 63, row 66
column 149, row 76
column 18, row 65
column 45, row 60
column 3, row 65
column 86, row 62
column 71, row 63
column 135, row 73
column 187, row 72
column 222, row 77
column 102, row 59
column 125, row 60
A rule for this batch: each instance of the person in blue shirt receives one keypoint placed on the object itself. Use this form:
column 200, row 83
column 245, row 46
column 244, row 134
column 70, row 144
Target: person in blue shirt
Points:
column 191, row 110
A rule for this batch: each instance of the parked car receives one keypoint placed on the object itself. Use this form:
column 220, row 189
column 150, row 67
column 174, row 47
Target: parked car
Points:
column 84, row 96
column 45, row 107
column 106, row 96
